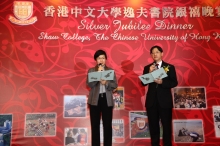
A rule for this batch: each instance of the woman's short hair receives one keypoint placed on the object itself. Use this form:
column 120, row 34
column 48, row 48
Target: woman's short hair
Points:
column 158, row 47
column 98, row 53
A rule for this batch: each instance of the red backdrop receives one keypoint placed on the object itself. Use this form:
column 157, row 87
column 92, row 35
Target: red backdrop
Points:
column 36, row 73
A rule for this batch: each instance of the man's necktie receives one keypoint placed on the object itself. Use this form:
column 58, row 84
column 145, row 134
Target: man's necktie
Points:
column 157, row 65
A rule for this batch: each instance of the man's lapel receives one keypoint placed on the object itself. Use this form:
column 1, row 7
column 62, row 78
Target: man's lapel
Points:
column 163, row 64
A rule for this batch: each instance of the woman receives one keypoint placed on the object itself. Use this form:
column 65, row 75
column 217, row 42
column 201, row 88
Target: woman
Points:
column 101, row 101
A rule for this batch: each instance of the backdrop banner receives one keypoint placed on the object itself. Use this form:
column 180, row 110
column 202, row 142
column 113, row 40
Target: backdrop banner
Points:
column 47, row 47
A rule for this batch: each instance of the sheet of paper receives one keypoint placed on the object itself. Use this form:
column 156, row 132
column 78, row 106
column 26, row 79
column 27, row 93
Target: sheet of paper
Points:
column 146, row 78
column 159, row 73
column 150, row 77
column 107, row 75
column 97, row 76
column 94, row 76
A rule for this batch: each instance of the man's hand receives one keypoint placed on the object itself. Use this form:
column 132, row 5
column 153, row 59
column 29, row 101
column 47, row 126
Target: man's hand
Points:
column 158, row 81
column 152, row 68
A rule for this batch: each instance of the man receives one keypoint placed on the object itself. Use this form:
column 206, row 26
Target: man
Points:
column 69, row 138
column 159, row 102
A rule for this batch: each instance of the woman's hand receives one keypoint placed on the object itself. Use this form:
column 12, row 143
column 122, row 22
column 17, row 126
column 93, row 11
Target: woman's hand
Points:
column 103, row 82
column 114, row 90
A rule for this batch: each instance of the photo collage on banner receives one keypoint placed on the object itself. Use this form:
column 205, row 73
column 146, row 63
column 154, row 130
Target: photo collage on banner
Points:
column 5, row 129
column 216, row 117
column 75, row 106
column 40, row 124
column 189, row 98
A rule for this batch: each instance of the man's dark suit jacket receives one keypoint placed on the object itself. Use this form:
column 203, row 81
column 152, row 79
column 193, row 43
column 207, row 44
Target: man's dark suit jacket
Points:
column 161, row 91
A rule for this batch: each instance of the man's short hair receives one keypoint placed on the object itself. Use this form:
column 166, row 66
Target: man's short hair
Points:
column 98, row 53
column 158, row 47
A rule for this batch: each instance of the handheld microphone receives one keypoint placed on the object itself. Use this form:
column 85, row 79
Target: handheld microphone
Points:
column 155, row 64
column 100, row 65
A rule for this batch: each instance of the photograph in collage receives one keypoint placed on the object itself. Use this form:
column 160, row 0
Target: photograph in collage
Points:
column 40, row 124
column 189, row 98
column 216, row 117
column 75, row 106
column 188, row 131
column 75, row 136
column 5, row 129
column 118, row 98
column 139, row 128
column 117, row 131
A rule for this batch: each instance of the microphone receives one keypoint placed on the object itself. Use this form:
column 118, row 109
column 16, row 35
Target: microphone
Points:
column 100, row 65
column 156, row 65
